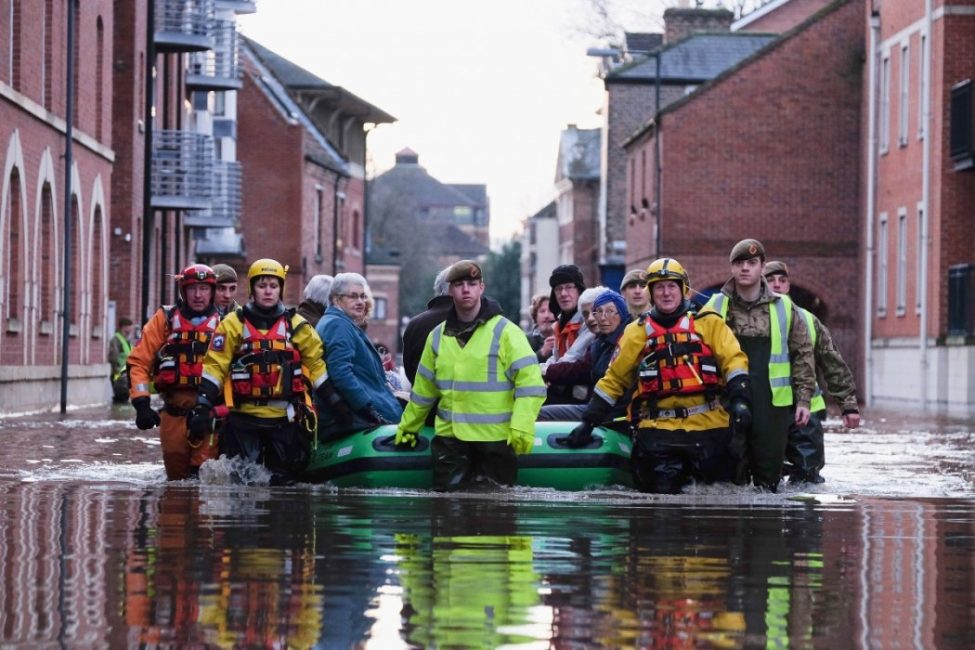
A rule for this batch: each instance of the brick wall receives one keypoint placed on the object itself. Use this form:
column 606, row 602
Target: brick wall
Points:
column 681, row 22
column 785, row 17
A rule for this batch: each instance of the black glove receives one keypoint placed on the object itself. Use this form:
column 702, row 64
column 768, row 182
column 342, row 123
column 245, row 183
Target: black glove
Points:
column 596, row 412
column 372, row 416
column 337, row 406
column 199, row 421
column 741, row 417
column 580, row 436
column 145, row 416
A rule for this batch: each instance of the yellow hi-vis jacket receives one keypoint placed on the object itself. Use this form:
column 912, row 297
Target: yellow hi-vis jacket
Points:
column 818, row 402
column 487, row 388
column 780, row 324
column 223, row 348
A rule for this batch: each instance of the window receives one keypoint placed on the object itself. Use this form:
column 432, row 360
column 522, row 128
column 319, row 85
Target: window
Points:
column 99, row 78
column 15, row 43
column 960, row 137
column 901, row 261
column 919, row 258
column 884, row 120
column 379, row 308
column 882, row 266
column 47, row 71
column 903, row 108
column 319, row 207
column 922, row 86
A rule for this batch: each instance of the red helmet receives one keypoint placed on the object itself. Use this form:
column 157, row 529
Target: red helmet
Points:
column 196, row 274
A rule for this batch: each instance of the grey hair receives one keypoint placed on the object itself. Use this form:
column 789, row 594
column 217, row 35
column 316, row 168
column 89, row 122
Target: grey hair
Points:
column 317, row 289
column 343, row 281
column 440, row 284
column 589, row 296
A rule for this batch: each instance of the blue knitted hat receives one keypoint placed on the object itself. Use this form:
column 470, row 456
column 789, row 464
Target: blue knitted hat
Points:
column 611, row 296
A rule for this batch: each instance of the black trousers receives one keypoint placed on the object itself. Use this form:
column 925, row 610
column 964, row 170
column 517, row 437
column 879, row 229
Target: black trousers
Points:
column 281, row 446
column 664, row 461
column 805, row 453
column 457, row 464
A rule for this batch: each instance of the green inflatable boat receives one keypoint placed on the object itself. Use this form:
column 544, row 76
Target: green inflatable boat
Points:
column 370, row 459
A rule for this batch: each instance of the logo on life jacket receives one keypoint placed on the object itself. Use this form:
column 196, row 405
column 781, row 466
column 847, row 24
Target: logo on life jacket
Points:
column 266, row 365
column 179, row 362
column 676, row 361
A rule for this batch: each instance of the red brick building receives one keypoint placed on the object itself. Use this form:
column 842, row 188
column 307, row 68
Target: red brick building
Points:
column 577, row 201
column 767, row 149
column 302, row 145
column 918, row 201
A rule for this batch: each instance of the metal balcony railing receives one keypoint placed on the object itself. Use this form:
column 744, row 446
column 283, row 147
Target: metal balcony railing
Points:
column 183, row 25
column 216, row 69
column 224, row 210
column 238, row 6
column 182, row 170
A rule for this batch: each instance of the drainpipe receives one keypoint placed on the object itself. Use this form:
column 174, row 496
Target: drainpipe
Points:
column 658, row 171
column 871, row 207
column 68, row 162
column 336, row 195
column 147, row 214
column 925, row 202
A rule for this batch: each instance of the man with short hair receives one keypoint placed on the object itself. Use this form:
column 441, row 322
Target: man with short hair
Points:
column 773, row 335
column 480, row 371
column 567, row 284
column 225, row 297
column 634, row 290
column 805, row 454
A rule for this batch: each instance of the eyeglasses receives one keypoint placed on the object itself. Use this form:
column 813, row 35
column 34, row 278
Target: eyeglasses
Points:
column 354, row 296
column 381, row 349
column 605, row 313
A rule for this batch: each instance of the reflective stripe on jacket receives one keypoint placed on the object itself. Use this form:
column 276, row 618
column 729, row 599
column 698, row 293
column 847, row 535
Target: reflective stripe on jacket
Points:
column 818, row 402
column 485, row 389
column 779, row 366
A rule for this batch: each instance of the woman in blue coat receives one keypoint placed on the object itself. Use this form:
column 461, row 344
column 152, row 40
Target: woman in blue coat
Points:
column 354, row 365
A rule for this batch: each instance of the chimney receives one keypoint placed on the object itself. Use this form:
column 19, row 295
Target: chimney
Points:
column 407, row 156
column 682, row 22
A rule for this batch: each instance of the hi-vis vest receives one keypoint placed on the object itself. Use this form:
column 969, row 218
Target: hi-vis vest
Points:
column 676, row 361
column 818, row 402
column 179, row 362
column 476, row 392
column 780, row 323
column 266, row 365
column 123, row 355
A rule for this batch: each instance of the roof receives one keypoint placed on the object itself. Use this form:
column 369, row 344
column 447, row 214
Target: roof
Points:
column 297, row 79
column 476, row 192
column 550, row 211
column 695, row 59
column 412, row 180
column 579, row 154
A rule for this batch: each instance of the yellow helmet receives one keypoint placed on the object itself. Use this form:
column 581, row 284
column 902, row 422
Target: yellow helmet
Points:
column 667, row 268
column 267, row 266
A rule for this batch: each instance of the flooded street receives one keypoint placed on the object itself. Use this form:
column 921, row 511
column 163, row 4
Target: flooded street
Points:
column 96, row 550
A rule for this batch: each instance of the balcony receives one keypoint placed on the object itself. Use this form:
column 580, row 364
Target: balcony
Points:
column 183, row 25
column 182, row 170
column 238, row 6
column 216, row 69
column 224, row 210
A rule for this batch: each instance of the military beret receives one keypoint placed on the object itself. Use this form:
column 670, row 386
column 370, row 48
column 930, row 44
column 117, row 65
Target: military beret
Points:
column 464, row 270
column 773, row 267
column 636, row 276
column 747, row 249
column 224, row 273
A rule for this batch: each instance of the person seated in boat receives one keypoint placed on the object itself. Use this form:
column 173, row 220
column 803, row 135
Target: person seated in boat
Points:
column 542, row 336
column 260, row 350
column 395, row 379
column 680, row 363
column 480, row 367
column 560, row 390
column 354, row 365
column 314, row 298
column 611, row 317
column 571, row 336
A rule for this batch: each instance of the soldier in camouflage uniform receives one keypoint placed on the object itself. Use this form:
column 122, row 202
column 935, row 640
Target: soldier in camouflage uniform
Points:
column 804, row 453
column 774, row 336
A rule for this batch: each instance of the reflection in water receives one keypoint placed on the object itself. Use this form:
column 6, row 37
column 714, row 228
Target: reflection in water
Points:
column 87, row 565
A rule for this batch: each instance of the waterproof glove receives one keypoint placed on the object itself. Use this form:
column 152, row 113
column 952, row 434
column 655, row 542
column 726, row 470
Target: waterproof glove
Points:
column 199, row 421
column 580, row 436
column 145, row 416
column 521, row 441
column 372, row 416
column 337, row 406
column 741, row 417
column 405, row 439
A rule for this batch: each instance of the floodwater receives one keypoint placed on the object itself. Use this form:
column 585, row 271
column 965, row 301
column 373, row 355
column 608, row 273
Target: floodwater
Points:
column 98, row 551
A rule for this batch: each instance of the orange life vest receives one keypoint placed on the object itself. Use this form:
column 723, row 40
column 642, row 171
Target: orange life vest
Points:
column 566, row 336
column 266, row 365
column 179, row 362
column 676, row 361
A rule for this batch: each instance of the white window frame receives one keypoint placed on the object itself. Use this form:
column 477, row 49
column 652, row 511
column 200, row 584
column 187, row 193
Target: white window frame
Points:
column 922, row 85
column 901, row 287
column 882, row 265
column 904, row 107
column 884, row 118
column 919, row 258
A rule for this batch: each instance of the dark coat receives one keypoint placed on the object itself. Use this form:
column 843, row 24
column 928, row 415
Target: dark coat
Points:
column 417, row 330
column 311, row 311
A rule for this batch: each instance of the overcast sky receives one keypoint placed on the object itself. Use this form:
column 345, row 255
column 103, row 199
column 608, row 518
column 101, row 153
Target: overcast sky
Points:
column 481, row 89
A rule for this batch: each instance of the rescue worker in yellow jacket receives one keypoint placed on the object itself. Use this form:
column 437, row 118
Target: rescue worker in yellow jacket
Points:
column 256, row 356
column 681, row 364
column 481, row 368
column 773, row 334
column 170, row 355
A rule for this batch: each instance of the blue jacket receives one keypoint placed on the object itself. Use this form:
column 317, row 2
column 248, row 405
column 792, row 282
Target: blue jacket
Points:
column 354, row 367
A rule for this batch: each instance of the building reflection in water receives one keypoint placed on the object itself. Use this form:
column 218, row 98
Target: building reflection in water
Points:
column 96, row 566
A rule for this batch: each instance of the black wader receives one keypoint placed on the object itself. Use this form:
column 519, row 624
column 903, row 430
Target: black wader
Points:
column 770, row 424
column 805, row 454
column 458, row 464
column 281, row 446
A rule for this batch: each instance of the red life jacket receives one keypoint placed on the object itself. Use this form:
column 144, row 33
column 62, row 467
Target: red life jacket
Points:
column 179, row 362
column 676, row 361
column 266, row 365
